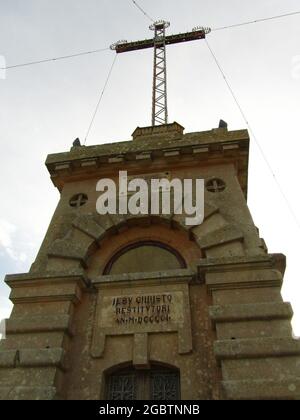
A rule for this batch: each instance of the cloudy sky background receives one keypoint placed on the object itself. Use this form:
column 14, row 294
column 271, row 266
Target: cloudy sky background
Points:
column 43, row 108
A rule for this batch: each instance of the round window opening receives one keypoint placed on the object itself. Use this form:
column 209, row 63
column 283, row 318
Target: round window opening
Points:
column 78, row 200
column 215, row 185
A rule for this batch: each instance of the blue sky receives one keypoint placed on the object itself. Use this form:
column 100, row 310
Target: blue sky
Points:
column 43, row 108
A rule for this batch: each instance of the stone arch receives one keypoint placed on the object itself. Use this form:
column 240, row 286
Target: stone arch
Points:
column 113, row 367
column 215, row 236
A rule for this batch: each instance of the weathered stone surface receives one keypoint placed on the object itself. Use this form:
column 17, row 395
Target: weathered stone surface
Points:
column 248, row 312
column 172, row 153
column 213, row 222
column 116, row 159
column 246, row 279
column 273, row 368
column 66, row 249
column 220, row 237
column 240, row 272
column 152, row 132
column 141, row 354
column 209, row 209
column 262, row 390
column 276, row 328
column 42, row 358
column 48, row 323
column 46, row 293
column 239, row 263
column 8, row 358
column 256, row 348
column 174, row 276
column 46, row 287
column 27, row 393
column 144, row 156
column 86, row 224
column 89, row 163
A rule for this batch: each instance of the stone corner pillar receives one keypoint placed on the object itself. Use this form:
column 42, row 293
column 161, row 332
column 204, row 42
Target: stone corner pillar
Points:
column 34, row 355
column 254, row 347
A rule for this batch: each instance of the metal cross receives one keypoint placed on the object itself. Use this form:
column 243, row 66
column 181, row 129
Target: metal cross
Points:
column 159, row 42
column 215, row 185
column 78, row 200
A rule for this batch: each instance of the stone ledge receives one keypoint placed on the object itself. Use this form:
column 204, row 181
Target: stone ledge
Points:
column 49, row 323
column 241, row 263
column 180, row 275
column 63, row 293
column 256, row 348
column 219, row 237
column 27, row 393
column 214, row 140
column 254, row 279
column 197, row 139
column 8, row 358
column 261, row 390
column 241, row 272
column 42, row 358
column 30, row 279
column 46, row 287
column 250, row 312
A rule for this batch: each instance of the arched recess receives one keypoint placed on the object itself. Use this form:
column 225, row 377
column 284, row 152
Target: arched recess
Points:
column 159, row 382
column 215, row 236
column 143, row 256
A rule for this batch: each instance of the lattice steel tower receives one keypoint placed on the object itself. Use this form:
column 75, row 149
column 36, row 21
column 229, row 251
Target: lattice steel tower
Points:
column 159, row 42
column 159, row 94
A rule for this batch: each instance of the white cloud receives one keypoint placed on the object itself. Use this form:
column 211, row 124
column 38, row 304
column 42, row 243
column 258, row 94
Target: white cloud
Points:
column 23, row 257
column 8, row 233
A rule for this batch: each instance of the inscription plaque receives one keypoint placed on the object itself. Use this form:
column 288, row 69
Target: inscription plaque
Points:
column 142, row 309
column 141, row 313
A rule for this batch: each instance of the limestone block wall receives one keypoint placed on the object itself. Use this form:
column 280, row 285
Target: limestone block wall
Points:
column 34, row 357
column 255, row 347
column 185, row 343
column 208, row 155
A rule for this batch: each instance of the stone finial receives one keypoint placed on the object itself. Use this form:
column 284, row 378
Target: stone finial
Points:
column 223, row 124
column 76, row 142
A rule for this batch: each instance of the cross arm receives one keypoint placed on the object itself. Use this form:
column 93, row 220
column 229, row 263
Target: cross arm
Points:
column 185, row 37
column 149, row 43
column 135, row 45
